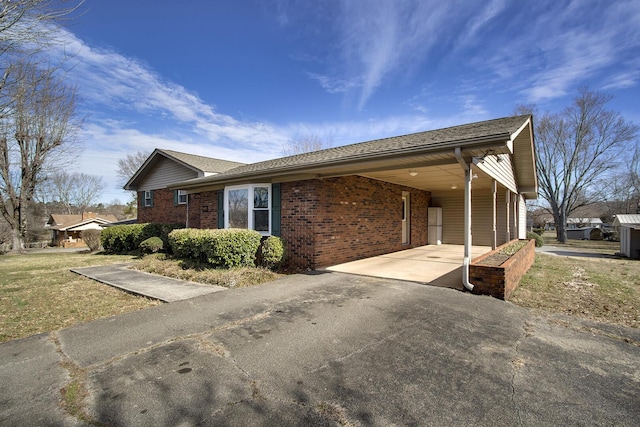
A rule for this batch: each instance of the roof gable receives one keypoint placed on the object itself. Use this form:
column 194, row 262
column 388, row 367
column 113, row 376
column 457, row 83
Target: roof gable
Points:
column 627, row 219
column 64, row 222
column 181, row 165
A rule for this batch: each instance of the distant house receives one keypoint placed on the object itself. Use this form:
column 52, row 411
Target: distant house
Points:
column 66, row 230
column 360, row 200
column 157, row 203
column 576, row 222
column 629, row 228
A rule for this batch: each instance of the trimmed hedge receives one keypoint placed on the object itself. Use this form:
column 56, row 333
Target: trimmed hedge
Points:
column 271, row 252
column 538, row 238
column 127, row 238
column 222, row 248
column 151, row 245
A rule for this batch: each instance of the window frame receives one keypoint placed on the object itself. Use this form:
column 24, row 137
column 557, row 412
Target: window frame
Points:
column 250, row 205
column 179, row 194
column 148, row 201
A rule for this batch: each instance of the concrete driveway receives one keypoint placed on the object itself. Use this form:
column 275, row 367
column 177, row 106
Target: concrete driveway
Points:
column 329, row 349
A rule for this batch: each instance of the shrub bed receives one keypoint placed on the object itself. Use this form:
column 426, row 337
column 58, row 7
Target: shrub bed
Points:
column 221, row 248
column 127, row 238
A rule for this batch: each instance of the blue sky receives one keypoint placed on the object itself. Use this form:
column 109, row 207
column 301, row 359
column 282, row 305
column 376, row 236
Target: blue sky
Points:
column 238, row 79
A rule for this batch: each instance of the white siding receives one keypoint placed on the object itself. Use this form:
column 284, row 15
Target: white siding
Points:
column 164, row 173
column 625, row 241
column 501, row 171
column 452, row 204
column 481, row 217
column 522, row 221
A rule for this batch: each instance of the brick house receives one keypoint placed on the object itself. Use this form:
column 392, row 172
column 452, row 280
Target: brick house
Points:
column 66, row 230
column 156, row 202
column 376, row 197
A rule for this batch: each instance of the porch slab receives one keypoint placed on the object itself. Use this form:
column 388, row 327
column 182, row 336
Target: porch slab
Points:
column 438, row 265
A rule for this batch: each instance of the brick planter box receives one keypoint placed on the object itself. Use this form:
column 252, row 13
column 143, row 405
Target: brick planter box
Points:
column 499, row 281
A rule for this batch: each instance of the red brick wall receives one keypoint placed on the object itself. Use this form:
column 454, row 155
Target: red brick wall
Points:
column 501, row 281
column 330, row 221
column 165, row 212
column 209, row 209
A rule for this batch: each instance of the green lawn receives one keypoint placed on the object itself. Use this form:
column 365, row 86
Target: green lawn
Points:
column 38, row 293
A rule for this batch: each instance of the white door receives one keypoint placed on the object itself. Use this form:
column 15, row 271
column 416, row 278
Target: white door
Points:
column 406, row 212
column 434, row 223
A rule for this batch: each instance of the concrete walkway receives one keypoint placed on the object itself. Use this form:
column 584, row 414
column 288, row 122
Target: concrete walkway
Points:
column 149, row 285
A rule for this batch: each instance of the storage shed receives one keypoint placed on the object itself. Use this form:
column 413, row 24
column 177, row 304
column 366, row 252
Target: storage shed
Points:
column 629, row 228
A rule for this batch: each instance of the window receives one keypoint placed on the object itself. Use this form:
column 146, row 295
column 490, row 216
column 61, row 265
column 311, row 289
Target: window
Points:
column 181, row 197
column 248, row 206
column 148, row 199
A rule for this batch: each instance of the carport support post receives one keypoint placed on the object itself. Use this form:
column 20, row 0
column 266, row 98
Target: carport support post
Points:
column 467, row 229
column 467, row 219
column 494, row 237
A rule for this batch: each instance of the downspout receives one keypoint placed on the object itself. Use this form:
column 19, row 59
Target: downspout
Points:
column 467, row 220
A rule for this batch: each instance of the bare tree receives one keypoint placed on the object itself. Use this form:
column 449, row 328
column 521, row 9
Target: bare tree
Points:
column 130, row 164
column 27, row 26
column 304, row 144
column 634, row 176
column 576, row 150
column 74, row 191
column 37, row 134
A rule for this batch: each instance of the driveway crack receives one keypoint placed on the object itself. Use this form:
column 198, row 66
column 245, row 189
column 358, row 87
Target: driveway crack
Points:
column 518, row 362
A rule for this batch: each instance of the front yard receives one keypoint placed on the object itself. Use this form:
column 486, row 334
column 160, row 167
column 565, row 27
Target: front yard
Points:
column 39, row 294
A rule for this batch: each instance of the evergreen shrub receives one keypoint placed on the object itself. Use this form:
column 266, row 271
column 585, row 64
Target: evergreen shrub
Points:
column 221, row 248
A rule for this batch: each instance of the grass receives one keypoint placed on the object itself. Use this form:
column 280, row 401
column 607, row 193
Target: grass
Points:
column 183, row 270
column 605, row 290
column 39, row 294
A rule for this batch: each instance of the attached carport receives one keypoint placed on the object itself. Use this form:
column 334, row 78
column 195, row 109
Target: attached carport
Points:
column 437, row 265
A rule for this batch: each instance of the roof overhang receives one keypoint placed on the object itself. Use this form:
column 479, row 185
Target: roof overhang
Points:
column 359, row 165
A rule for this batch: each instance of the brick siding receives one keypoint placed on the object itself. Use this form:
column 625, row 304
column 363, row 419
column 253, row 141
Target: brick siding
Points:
column 335, row 220
column 501, row 281
column 208, row 210
column 164, row 210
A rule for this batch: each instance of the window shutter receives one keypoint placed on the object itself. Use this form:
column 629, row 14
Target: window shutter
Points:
column 276, row 208
column 221, row 209
column 176, row 199
column 151, row 199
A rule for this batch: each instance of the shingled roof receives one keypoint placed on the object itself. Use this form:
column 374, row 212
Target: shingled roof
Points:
column 430, row 141
column 202, row 163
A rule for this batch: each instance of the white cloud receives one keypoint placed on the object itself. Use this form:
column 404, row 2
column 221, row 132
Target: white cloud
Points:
column 110, row 79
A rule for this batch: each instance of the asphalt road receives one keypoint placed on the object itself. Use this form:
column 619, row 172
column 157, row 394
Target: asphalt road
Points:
column 324, row 350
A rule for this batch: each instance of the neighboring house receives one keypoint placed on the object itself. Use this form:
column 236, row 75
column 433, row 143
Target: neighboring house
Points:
column 629, row 228
column 583, row 223
column 66, row 230
column 574, row 223
column 361, row 200
column 157, row 203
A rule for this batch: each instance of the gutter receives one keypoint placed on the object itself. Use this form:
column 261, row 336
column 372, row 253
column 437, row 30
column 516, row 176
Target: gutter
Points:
column 467, row 219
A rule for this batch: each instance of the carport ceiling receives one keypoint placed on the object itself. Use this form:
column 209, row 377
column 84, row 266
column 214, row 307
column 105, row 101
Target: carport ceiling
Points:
column 431, row 178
